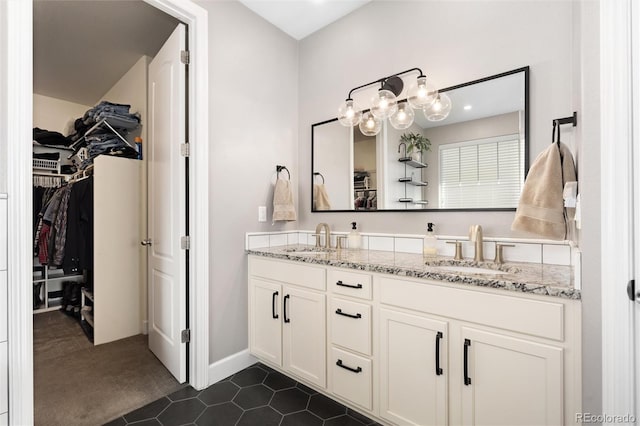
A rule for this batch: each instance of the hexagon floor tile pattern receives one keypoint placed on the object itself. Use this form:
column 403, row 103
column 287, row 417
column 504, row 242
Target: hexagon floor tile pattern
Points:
column 255, row 396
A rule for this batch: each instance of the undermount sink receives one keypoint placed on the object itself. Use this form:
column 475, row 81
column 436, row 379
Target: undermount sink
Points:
column 470, row 270
column 309, row 250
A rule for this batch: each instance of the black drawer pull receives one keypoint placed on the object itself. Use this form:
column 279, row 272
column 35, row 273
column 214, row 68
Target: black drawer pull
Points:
column 467, row 379
column 341, row 284
column 273, row 305
column 284, row 309
column 346, row 367
column 438, row 369
column 339, row 312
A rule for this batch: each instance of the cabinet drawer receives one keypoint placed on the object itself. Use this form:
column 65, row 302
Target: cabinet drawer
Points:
column 519, row 314
column 351, row 377
column 312, row 277
column 351, row 325
column 352, row 284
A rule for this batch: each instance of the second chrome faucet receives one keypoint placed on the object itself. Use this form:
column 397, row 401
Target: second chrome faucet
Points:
column 475, row 236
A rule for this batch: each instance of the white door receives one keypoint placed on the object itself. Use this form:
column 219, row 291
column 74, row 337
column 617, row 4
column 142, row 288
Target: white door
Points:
column 413, row 369
column 167, row 205
column 265, row 320
column 510, row 381
column 304, row 334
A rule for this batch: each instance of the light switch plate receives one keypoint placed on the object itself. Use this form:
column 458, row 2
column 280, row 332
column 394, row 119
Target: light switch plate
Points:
column 262, row 213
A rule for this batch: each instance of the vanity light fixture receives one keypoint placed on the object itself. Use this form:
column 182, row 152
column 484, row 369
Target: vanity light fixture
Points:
column 439, row 109
column 421, row 95
column 467, row 107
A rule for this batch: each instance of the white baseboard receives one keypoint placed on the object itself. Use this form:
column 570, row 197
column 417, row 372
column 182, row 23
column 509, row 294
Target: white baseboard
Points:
column 230, row 365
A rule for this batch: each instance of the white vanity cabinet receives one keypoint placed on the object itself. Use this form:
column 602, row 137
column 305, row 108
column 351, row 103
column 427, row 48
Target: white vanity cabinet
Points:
column 510, row 360
column 413, row 369
column 411, row 351
column 287, row 317
column 4, row 362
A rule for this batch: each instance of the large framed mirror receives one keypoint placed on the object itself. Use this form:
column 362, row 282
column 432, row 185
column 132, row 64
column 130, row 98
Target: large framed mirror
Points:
column 477, row 158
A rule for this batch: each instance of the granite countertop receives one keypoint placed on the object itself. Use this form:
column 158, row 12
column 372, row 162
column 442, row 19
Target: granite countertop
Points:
column 534, row 278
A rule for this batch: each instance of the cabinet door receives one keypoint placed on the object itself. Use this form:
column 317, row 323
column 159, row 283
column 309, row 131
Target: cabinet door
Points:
column 265, row 334
column 413, row 369
column 510, row 381
column 304, row 340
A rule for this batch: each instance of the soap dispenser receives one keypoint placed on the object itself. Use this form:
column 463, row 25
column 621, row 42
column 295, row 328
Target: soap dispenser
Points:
column 354, row 239
column 430, row 245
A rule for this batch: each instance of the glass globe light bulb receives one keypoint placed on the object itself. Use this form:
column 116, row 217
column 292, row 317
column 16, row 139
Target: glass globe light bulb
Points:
column 384, row 104
column 349, row 113
column 403, row 118
column 370, row 124
column 439, row 109
column 422, row 93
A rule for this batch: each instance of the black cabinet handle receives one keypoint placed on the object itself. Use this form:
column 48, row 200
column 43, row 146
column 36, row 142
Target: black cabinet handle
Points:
column 284, row 309
column 341, row 284
column 467, row 379
column 273, row 305
column 339, row 312
column 438, row 369
column 346, row 367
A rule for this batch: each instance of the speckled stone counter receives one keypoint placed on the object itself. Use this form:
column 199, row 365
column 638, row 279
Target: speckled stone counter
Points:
column 534, row 278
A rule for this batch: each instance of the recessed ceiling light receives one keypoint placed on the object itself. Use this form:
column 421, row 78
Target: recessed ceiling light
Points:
column 467, row 107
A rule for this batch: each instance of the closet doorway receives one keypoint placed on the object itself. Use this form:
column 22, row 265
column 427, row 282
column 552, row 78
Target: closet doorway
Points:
column 114, row 292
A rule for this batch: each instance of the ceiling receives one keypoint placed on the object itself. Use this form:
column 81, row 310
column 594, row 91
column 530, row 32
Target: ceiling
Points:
column 299, row 18
column 82, row 48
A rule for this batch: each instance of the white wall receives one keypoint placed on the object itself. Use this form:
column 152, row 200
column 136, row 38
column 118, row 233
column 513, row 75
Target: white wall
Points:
column 254, row 126
column 453, row 42
column 131, row 89
column 3, row 99
column 56, row 114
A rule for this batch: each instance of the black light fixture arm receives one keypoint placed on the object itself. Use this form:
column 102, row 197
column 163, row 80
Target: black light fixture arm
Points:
column 383, row 80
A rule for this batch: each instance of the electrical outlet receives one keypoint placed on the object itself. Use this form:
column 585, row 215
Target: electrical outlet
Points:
column 262, row 213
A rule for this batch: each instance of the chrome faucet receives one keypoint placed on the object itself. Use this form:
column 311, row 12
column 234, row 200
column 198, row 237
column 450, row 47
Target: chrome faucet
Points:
column 327, row 235
column 475, row 236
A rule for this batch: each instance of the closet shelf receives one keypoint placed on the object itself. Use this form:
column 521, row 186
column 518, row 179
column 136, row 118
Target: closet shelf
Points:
column 87, row 293
column 87, row 315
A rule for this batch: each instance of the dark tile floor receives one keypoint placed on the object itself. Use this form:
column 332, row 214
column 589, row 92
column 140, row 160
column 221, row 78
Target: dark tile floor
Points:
column 256, row 396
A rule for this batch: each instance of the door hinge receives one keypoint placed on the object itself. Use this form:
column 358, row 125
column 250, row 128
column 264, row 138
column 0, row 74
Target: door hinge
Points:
column 185, row 242
column 185, row 336
column 185, row 57
column 184, row 149
column 631, row 290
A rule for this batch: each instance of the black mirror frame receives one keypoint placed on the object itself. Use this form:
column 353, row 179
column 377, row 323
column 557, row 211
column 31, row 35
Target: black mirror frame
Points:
column 446, row 89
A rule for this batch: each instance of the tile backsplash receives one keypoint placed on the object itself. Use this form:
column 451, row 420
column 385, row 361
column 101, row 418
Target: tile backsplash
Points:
column 523, row 250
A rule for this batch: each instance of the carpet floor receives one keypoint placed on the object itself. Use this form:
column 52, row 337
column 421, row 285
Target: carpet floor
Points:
column 77, row 383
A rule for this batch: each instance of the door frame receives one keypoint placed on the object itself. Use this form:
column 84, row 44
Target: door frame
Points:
column 19, row 73
column 619, row 95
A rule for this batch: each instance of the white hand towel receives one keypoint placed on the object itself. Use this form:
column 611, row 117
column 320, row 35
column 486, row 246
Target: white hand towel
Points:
column 320, row 197
column 283, row 207
column 541, row 208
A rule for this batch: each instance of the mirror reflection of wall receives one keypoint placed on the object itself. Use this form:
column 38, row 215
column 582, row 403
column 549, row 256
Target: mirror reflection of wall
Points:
column 365, row 182
column 332, row 158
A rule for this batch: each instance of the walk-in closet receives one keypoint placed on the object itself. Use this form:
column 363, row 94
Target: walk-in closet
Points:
column 92, row 361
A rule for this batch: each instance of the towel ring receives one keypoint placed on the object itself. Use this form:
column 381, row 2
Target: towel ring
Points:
column 280, row 168
column 319, row 174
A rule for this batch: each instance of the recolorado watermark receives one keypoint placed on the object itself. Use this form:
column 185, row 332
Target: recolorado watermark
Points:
column 605, row 418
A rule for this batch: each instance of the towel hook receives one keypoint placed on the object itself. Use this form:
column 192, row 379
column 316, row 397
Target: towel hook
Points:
column 557, row 122
column 280, row 168
column 319, row 174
